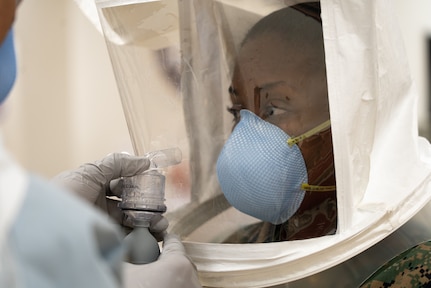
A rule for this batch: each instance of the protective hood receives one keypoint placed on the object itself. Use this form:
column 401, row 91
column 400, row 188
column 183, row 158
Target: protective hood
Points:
column 174, row 63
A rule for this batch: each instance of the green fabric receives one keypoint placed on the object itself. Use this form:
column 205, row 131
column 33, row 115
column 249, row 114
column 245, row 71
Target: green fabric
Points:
column 409, row 269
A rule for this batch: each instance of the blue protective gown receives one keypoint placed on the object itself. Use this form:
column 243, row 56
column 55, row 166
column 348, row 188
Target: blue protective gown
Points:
column 57, row 240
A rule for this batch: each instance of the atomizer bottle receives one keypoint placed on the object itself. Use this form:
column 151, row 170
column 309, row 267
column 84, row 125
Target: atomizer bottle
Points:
column 143, row 197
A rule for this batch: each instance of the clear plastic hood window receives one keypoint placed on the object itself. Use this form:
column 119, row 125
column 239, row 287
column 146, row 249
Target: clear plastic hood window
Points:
column 272, row 70
column 296, row 123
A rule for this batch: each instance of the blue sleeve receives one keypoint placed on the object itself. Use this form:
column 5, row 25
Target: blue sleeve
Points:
column 58, row 240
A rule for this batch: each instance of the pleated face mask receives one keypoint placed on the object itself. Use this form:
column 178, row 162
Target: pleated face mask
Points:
column 261, row 170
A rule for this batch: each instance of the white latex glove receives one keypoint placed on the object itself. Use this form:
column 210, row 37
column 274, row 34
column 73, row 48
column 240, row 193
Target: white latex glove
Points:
column 95, row 181
column 172, row 269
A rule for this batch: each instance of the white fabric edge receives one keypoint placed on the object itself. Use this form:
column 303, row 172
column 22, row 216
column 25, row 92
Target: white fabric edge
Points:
column 260, row 265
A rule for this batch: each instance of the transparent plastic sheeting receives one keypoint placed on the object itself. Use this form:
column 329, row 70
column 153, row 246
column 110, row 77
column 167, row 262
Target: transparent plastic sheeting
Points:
column 174, row 99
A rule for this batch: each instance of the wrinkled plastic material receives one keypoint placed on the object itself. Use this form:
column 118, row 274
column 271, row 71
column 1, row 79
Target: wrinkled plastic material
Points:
column 383, row 167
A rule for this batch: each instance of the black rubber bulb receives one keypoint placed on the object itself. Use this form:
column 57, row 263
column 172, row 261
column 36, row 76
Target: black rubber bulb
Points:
column 142, row 246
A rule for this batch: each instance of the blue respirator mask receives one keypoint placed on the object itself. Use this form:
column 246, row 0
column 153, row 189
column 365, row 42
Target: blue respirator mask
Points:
column 261, row 170
column 7, row 66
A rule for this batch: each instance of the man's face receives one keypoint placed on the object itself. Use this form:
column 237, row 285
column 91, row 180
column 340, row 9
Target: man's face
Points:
column 282, row 83
column 7, row 15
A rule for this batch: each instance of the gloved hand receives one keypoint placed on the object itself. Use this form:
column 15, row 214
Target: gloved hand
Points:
column 96, row 183
column 172, row 269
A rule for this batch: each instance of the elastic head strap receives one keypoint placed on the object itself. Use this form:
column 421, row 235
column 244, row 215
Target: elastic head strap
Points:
column 293, row 140
column 317, row 188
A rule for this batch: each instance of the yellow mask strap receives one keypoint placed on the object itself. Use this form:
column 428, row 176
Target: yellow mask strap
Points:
column 293, row 140
column 317, row 188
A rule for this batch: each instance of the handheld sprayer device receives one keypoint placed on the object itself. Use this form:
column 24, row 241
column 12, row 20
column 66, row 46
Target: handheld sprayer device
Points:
column 143, row 197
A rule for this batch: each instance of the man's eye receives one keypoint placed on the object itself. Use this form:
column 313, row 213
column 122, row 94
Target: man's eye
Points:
column 272, row 111
column 234, row 110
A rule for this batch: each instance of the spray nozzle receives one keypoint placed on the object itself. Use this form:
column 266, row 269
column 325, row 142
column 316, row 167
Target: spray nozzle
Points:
column 164, row 158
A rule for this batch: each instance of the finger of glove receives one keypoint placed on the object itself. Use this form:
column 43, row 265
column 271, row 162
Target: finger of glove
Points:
column 158, row 224
column 172, row 246
column 153, row 275
column 77, row 182
column 116, row 188
column 173, row 250
column 174, row 256
column 182, row 271
column 135, row 275
column 90, row 179
column 118, row 165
